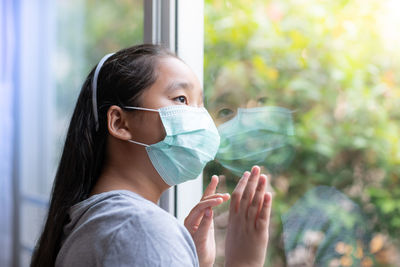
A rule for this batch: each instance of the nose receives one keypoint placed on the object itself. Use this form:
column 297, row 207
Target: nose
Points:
column 251, row 103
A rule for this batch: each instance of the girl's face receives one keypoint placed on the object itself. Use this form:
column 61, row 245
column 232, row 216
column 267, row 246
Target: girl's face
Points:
column 176, row 84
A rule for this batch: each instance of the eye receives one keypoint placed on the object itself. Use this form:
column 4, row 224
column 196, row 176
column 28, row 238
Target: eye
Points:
column 181, row 99
column 262, row 100
column 225, row 112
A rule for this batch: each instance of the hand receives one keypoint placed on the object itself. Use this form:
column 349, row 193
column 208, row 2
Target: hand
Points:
column 247, row 233
column 200, row 223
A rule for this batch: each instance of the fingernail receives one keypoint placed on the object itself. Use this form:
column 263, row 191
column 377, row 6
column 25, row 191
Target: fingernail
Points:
column 253, row 170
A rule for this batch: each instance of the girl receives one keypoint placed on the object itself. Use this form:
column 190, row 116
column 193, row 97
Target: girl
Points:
column 139, row 127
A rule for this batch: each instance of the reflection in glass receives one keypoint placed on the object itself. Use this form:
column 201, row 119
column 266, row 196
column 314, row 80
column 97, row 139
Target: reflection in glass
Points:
column 336, row 63
column 256, row 136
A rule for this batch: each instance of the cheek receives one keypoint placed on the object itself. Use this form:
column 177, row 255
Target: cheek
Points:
column 159, row 131
column 149, row 129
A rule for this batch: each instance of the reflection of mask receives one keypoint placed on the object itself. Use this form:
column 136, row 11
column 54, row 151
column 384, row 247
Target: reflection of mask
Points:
column 256, row 136
column 191, row 141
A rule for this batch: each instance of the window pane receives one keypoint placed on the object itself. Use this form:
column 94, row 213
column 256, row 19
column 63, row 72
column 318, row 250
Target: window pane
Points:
column 32, row 217
column 318, row 91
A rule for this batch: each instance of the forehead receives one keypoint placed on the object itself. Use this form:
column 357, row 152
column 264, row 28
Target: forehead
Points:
column 172, row 70
column 174, row 78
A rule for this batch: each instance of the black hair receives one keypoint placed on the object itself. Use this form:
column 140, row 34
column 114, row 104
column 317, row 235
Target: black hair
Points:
column 121, row 80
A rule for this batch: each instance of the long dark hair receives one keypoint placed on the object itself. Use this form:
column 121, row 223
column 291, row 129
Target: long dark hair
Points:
column 122, row 78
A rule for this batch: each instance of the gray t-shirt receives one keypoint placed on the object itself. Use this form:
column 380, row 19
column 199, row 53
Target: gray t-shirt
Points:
column 121, row 228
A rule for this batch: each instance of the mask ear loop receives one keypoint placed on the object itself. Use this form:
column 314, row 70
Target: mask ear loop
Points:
column 94, row 89
column 140, row 108
column 138, row 143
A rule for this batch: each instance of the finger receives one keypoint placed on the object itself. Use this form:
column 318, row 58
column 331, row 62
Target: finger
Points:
column 224, row 196
column 193, row 220
column 205, row 225
column 258, row 199
column 196, row 213
column 249, row 191
column 263, row 219
column 212, row 186
column 237, row 193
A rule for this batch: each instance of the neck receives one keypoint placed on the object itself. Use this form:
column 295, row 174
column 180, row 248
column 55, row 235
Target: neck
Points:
column 134, row 173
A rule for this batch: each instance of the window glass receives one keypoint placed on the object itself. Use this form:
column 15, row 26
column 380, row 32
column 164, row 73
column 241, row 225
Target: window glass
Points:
column 309, row 91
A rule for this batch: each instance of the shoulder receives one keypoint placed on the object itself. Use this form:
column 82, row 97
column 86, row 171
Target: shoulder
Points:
column 123, row 229
column 152, row 237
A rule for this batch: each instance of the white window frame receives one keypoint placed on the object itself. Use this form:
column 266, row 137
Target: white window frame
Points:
column 190, row 48
column 179, row 25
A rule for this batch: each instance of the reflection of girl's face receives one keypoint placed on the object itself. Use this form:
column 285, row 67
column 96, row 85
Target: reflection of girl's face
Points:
column 176, row 84
column 224, row 110
column 229, row 95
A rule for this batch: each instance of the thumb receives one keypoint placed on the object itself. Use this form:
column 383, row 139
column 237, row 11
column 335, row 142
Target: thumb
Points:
column 205, row 225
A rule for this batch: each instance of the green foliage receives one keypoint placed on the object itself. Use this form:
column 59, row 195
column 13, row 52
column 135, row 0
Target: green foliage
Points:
column 334, row 64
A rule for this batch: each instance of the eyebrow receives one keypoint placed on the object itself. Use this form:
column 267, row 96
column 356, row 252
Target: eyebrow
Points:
column 227, row 97
column 181, row 85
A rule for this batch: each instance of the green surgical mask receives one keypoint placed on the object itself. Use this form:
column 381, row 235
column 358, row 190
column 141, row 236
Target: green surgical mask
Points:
column 257, row 136
column 191, row 141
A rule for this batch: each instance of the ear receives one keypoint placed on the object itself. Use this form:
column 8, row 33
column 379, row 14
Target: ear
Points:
column 117, row 123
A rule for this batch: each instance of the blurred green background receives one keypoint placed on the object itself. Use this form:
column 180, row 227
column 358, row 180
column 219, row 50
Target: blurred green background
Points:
column 336, row 65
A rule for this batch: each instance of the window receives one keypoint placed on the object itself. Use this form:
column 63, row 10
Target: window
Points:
column 333, row 170
column 335, row 180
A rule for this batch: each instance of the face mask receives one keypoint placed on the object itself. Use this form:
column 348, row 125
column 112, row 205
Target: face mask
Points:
column 257, row 136
column 191, row 141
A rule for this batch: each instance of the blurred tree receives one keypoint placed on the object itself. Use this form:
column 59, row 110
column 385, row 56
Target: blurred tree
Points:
column 335, row 63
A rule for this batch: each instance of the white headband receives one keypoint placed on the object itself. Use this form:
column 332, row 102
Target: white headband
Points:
column 94, row 88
